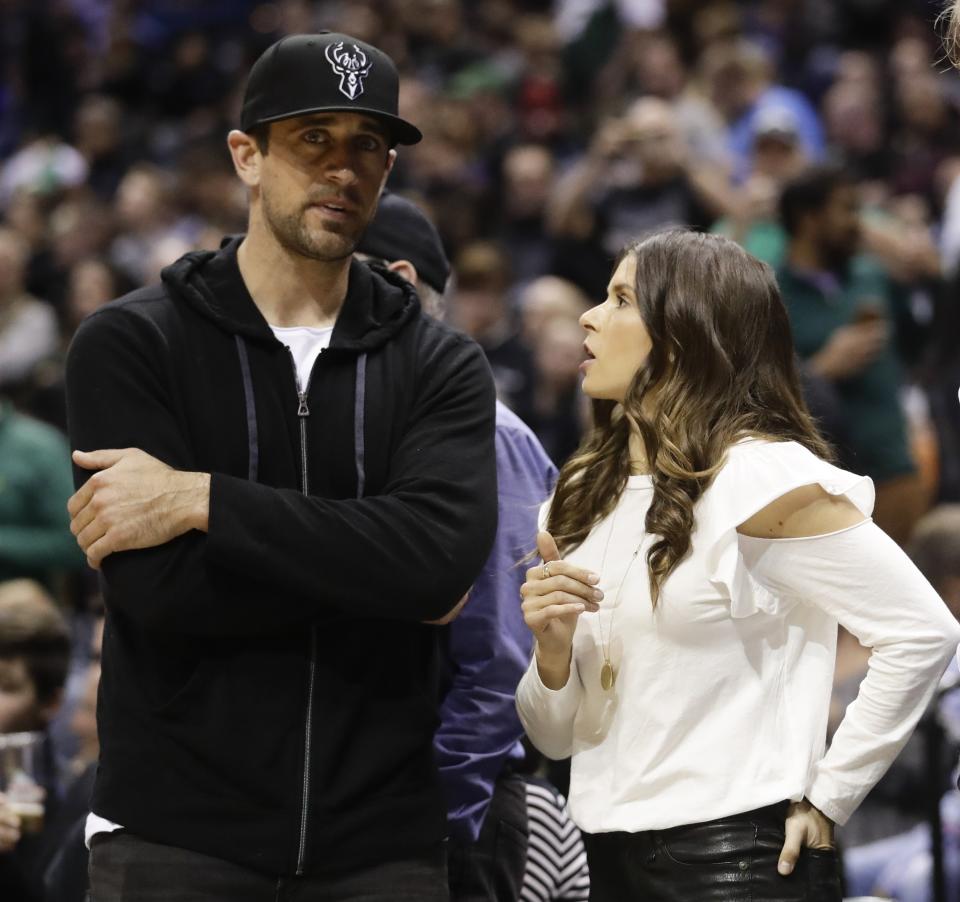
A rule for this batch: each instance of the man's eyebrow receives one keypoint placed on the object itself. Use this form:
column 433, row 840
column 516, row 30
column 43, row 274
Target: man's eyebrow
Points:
column 368, row 123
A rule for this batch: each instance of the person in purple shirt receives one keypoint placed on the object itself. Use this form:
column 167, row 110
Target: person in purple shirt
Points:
column 487, row 648
column 741, row 83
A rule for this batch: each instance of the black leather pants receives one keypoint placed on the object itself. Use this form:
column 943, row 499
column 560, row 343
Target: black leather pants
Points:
column 732, row 859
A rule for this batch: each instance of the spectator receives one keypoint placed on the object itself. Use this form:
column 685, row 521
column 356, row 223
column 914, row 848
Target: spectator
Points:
column 34, row 657
column 384, row 453
column 147, row 217
column 479, row 307
column 528, row 181
column 842, row 309
column 35, row 483
column 742, row 86
column 547, row 298
column 98, row 135
column 777, row 156
column 559, row 414
column 651, row 63
column 28, row 326
column 854, row 120
column 636, row 177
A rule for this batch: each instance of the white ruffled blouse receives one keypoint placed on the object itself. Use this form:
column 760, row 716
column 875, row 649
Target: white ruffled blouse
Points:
column 721, row 695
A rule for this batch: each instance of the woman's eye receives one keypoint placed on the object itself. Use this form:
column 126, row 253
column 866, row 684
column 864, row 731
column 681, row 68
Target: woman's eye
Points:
column 313, row 137
column 622, row 301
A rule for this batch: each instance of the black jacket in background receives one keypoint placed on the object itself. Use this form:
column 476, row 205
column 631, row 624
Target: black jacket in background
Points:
column 211, row 639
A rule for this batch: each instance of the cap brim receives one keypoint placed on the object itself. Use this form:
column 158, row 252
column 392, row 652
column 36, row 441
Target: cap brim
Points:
column 403, row 131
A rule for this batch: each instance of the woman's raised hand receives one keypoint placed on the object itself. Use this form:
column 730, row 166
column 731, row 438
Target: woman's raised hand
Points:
column 555, row 594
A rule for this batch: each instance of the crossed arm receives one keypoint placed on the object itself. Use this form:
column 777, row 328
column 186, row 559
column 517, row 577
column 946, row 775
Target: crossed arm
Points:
column 214, row 553
column 134, row 501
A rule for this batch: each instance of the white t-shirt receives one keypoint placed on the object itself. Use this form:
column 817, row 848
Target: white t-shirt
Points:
column 721, row 696
column 305, row 344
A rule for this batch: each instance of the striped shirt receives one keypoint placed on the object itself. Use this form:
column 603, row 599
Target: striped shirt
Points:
column 556, row 858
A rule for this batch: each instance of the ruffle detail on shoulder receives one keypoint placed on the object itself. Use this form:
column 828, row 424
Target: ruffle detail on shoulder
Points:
column 755, row 474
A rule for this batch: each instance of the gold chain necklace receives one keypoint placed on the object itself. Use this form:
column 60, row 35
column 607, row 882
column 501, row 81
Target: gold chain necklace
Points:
column 608, row 676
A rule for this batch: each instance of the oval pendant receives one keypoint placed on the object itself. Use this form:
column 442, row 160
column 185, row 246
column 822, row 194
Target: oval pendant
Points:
column 606, row 675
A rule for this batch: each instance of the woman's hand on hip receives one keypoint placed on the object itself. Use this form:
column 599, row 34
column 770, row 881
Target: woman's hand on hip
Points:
column 555, row 594
column 805, row 826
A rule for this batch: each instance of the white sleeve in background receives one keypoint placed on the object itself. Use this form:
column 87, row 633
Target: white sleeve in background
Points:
column 862, row 578
column 571, row 17
column 547, row 714
column 950, row 229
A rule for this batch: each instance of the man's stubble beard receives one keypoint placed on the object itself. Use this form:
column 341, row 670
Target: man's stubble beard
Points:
column 293, row 234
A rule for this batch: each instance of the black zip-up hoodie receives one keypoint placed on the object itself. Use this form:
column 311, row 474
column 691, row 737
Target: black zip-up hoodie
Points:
column 268, row 691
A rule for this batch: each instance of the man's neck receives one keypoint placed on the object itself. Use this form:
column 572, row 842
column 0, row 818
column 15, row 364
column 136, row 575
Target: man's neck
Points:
column 803, row 256
column 289, row 289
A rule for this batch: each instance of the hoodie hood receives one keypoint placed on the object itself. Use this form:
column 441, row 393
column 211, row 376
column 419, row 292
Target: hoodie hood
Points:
column 378, row 303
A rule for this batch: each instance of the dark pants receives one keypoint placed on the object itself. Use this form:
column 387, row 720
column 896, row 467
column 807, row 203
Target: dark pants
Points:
column 732, row 859
column 491, row 869
column 124, row 868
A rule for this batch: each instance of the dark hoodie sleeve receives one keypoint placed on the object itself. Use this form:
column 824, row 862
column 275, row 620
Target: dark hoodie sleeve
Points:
column 410, row 552
column 118, row 377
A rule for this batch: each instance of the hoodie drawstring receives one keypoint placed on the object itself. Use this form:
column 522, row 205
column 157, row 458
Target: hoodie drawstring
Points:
column 253, row 448
column 359, row 408
column 359, row 416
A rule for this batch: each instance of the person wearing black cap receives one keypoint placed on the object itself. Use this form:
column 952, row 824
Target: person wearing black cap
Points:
column 306, row 475
column 485, row 651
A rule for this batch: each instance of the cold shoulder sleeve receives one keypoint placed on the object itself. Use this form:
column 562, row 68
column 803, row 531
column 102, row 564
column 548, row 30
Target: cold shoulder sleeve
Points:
column 755, row 474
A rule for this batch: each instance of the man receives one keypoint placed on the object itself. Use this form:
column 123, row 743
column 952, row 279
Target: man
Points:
column 34, row 659
column 267, row 700
column 636, row 177
column 741, row 83
column 479, row 306
column 35, row 540
column 842, row 308
column 487, row 648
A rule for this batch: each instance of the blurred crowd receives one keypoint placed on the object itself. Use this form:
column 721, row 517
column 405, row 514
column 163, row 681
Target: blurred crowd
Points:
column 824, row 135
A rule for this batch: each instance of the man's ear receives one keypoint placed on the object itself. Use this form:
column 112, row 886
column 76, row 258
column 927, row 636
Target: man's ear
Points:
column 246, row 157
column 391, row 159
column 405, row 269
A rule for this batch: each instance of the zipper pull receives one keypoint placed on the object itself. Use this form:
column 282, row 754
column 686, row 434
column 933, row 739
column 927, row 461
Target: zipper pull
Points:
column 303, row 410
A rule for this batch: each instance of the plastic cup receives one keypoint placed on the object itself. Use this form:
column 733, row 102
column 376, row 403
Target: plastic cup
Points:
column 20, row 764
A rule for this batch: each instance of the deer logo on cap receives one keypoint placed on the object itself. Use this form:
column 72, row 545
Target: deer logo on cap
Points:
column 352, row 68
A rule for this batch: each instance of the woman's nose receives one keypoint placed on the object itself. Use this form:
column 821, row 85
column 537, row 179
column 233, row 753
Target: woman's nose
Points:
column 587, row 320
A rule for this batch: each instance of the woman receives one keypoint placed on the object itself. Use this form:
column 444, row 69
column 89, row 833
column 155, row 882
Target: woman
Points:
column 685, row 640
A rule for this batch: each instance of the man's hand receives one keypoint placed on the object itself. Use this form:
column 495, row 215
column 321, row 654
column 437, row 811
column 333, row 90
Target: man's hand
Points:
column 849, row 350
column 9, row 826
column 134, row 501
column 805, row 826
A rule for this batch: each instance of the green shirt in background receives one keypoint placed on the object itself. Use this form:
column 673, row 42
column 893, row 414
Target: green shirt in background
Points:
column 765, row 239
column 818, row 304
column 36, row 482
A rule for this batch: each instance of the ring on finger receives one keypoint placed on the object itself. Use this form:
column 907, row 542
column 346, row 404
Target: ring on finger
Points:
column 546, row 570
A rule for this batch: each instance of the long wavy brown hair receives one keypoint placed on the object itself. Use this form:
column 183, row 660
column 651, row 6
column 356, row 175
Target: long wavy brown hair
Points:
column 722, row 368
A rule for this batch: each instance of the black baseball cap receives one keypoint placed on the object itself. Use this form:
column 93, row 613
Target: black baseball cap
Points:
column 400, row 230
column 324, row 72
